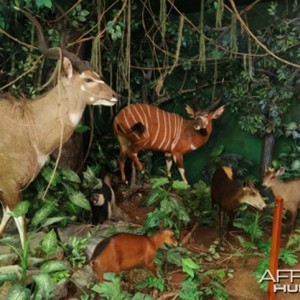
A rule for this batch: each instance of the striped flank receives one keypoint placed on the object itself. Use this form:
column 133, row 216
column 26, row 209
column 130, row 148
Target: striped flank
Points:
column 163, row 127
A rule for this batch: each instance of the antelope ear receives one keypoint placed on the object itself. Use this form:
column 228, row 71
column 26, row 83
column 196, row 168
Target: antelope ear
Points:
column 218, row 112
column 251, row 184
column 68, row 68
column 190, row 111
column 280, row 171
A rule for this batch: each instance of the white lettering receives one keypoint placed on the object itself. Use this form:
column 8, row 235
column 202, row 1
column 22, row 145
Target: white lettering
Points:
column 264, row 278
column 294, row 275
column 289, row 277
column 281, row 274
column 278, row 288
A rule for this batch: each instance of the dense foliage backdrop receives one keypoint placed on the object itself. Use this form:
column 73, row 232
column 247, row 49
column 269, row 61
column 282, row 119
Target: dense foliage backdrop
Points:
column 166, row 53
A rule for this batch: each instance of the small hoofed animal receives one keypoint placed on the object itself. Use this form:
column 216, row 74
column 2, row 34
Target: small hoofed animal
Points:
column 228, row 194
column 146, row 127
column 103, row 204
column 125, row 251
column 289, row 191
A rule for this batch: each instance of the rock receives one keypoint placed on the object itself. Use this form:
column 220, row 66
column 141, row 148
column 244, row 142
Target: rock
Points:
column 82, row 278
column 7, row 256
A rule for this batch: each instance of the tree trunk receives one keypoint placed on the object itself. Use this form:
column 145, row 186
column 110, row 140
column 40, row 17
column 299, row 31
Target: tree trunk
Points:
column 72, row 153
column 267, row 152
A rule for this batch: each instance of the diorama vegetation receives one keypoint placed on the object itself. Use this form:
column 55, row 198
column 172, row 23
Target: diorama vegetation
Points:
column 165, row 53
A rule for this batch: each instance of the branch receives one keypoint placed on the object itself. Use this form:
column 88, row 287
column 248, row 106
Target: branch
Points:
column 16, row 40
column 250, row 33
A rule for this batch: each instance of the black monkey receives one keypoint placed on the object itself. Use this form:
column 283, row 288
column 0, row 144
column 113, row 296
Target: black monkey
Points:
column 102, row 202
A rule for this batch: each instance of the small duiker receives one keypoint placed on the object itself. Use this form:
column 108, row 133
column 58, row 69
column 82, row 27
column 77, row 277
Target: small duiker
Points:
column 125, row 251
column 228, row 194
column 289, row 191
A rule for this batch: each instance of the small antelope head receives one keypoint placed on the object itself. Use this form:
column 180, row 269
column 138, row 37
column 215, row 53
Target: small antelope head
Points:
column 270, row 176
column 202, row 118
column 169, row 237
column 87, row 85
column 80, row 79
column 252, row 196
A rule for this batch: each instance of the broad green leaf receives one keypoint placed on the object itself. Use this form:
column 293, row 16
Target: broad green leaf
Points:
column 296, row 165
column 166, row 206
column 217, row 151
column 44, row 284
column 80, row 200
column 7, row 256
column 70, row 175
column 174, row 255
column 53, row 266
column 188, row 266
column 159, row 181
column 89, row 175
column 9, row 277
column 42, row 214
column 153, row 198
column 46, row 3
column 111, row 288
column 9, row 240
column 47, row 173
column 21, row 209
column 179, row 185
column 18, row 292
column 53, row 220
column 49, row 243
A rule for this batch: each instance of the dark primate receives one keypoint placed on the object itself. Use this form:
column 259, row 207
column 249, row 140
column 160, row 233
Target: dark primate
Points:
column 102, row 201
column 103, row 204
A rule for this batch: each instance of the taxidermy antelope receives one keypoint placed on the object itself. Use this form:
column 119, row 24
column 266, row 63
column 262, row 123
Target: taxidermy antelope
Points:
column 124, row 251
column 143, row 126
column 288, row 190
column 31, row 129
column 228, row 195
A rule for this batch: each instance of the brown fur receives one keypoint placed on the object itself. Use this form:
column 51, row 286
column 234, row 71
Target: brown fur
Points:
column 289, row 191
column 31, row 129
column 143, row 126
column 125, row 251
column 229, row 195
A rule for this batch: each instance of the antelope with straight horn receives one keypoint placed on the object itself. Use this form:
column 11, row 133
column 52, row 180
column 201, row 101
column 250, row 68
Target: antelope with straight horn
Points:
column 143, row 126
column 31, row 129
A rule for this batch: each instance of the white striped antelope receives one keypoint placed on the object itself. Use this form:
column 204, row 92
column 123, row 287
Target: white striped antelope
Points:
column 143, row 126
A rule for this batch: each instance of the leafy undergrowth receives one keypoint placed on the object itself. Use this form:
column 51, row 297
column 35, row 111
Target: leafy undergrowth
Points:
column 199, row 268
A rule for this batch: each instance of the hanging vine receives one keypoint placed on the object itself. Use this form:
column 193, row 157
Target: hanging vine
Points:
column 233, row 37
column 96, row 55
column 162, row 18
column 202, row 50
column 128, row 51
column 179, row 42
column 219, row 13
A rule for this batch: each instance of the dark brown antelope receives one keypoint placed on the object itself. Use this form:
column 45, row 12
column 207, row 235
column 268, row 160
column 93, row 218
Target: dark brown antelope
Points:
column 143, row 126
column 31, row 129
column 289, row 191
column 228, row 194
